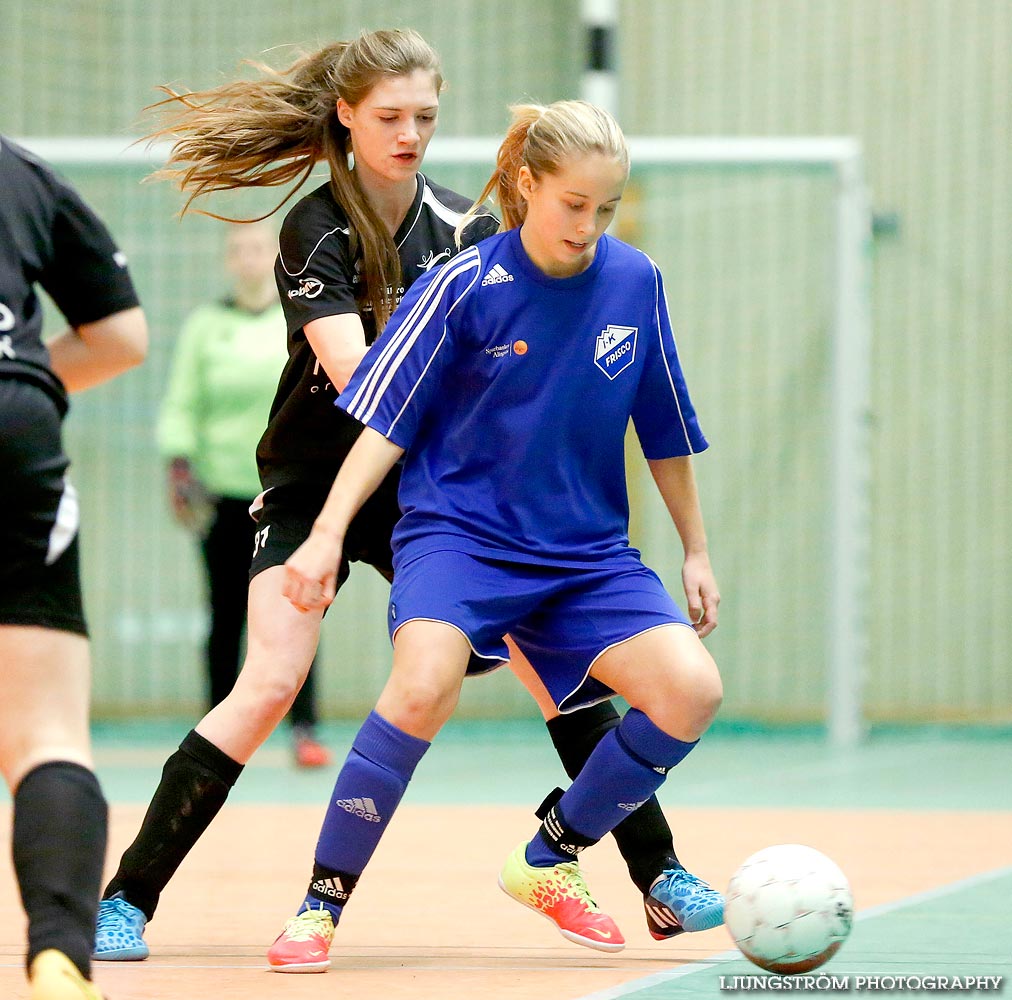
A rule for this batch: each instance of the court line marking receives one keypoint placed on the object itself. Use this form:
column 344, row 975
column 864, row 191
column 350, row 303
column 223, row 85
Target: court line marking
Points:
column 638, row 985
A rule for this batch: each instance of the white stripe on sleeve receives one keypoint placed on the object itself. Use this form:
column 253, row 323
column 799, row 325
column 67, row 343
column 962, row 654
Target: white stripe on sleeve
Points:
column 661, row 301
column 367, row 397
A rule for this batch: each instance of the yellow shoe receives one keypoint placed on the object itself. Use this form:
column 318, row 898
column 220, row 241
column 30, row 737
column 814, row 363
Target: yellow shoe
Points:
column 561, row 895
column 55, row 977
column 304, row 944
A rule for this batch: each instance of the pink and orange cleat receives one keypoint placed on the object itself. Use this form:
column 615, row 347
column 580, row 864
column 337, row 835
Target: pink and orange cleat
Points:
column 304, row 944
column 561, row 895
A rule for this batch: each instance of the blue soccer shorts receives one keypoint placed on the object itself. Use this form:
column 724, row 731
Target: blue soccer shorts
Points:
column 562, row 618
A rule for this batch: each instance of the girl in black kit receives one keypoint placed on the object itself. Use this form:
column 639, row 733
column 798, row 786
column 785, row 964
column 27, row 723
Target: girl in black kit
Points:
column 50, row 237
column 348, row 250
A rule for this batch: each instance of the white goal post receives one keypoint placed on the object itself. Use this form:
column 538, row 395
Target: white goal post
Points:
column 850, row 351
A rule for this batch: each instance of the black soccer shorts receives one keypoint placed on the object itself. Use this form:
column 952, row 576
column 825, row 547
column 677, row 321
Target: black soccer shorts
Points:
column 287, row 517
column 40, row 581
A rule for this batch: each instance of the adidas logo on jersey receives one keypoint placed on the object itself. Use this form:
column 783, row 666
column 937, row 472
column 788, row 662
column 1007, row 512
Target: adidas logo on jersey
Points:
column 497, row 275
column 362, row 808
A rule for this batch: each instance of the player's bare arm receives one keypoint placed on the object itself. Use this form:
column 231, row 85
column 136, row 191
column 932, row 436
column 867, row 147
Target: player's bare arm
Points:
column 339, row 343
column 95, row 352
column 676, row 482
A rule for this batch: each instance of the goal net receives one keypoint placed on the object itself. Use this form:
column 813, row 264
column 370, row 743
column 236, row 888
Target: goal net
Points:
column 763, row 246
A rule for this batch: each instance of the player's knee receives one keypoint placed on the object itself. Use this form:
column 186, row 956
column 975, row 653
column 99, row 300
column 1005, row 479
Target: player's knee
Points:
column 433, row 703
column 699, row 679
column 421, row 706
column 706, row 692
column 268, row 696
column 687, row 704
column 709, row 698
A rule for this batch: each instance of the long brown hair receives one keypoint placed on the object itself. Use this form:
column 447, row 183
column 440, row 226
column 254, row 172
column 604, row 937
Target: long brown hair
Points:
column 273, row 130
column 541, row 138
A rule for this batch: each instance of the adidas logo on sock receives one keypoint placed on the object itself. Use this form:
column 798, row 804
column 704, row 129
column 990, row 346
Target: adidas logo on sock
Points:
column 497, row 275
column 331, row 887
column 630, row 807
column 556, row 831
column 362, row 808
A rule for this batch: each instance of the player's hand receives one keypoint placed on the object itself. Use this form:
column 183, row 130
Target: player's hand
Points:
column 701, row 591
column 191, row 503
column 311, row 573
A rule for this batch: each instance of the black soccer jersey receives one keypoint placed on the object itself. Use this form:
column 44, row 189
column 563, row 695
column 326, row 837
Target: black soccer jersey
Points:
column 49, row 237
column 307, row 436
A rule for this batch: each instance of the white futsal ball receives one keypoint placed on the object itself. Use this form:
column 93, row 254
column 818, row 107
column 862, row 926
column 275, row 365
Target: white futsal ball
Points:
column 789, row 908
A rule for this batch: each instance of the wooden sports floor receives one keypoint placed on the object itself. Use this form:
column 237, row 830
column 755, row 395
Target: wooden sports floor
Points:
column 921, row 822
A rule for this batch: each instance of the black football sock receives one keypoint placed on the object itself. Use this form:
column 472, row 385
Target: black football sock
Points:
column 58, row 846
column 195, row 782
column 644, row 839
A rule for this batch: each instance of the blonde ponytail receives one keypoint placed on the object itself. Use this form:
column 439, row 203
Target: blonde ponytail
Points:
column 542, row 138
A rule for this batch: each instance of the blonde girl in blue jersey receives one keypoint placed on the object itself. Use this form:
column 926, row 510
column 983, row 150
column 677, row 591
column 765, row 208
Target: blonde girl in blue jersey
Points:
column 506, row 382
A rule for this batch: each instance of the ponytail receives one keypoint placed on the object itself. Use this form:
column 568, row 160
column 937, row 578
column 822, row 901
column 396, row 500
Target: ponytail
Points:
column 502, row 185
column 541, row 138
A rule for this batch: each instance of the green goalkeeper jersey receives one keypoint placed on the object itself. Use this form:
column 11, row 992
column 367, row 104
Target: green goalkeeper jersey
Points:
column 223, row 379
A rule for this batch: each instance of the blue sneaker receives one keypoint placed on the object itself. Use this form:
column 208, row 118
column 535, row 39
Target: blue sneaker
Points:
column 679, row 902
column 118, row 937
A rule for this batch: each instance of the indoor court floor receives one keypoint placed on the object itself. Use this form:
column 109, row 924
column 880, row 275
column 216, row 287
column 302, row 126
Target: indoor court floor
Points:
column 920, row 820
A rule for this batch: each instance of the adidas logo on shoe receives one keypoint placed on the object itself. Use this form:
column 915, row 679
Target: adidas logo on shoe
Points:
column 679, row 901
column 362, row 808
column 497, row 275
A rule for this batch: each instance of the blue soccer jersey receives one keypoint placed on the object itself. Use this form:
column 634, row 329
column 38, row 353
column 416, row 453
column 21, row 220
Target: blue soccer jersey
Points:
column 511, row 392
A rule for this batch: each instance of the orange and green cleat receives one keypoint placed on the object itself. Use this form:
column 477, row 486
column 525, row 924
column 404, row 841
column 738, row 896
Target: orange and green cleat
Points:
column 560, row 894
column 304, row 944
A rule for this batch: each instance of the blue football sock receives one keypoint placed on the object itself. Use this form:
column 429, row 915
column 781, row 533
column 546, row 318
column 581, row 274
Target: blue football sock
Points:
column 625, row 769
column 368, row 789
